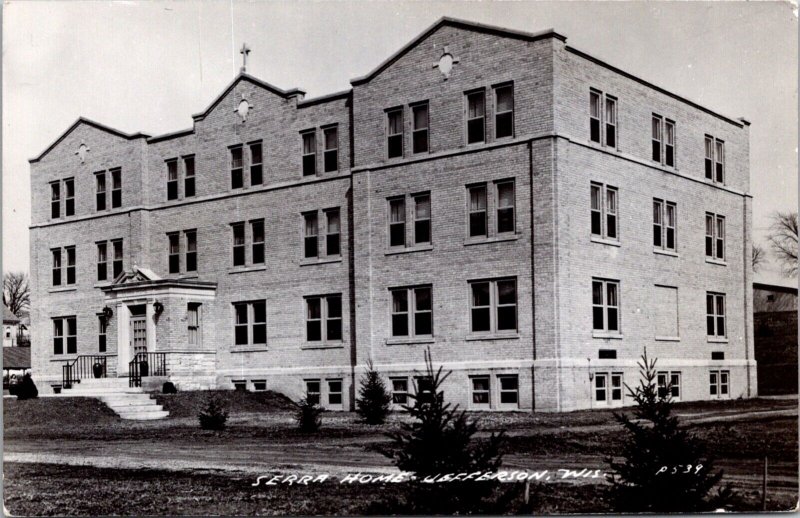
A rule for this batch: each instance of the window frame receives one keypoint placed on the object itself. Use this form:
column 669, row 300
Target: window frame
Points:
column 69, row 197
column 468, row 119
column 331, row 392
column 71, row 265
column 309, row 236
column 498, row 207
column 189, row 180
column 662, row 225
column 308, row 159
column 236, row 171
column 328, row 151
column 602, row 121
column 172, row 179
column 399, row 223
column 173, row 253
column 249, row 323
column 500, row 391
column 657, row 151
column 193, row 326
column 317, row 394
column 717, row 318
column 257, row 246
column 117, row 261
column 116, row 188
column 190, row 250
column 100, row 200
column 102, row 333
column 669, row 143
column 324, row 319
column 606, row 215
column 668, row 387
column 476, row 211
column 410, row 312
column 716, row 237
column 331, row 236
column 55, row 199
column 238, row 249
column 716, row 383
column 419, row 200
column 398, row 136
column 102, row 261
column 256, row 167
column 421, row 131
column 494, row 307
column 57, row 276
column 486, row 405
column 399, row 394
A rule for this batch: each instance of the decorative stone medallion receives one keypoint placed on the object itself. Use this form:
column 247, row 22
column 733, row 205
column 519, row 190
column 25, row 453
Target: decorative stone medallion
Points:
column 446, row 62
column 243, row 109
column 81, row 152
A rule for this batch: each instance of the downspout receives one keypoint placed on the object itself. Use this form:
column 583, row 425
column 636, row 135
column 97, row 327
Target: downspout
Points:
column 533, row 280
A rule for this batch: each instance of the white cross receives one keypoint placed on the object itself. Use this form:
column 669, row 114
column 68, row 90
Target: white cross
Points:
column 446, row 62
column 244, row 52
column 81, row 152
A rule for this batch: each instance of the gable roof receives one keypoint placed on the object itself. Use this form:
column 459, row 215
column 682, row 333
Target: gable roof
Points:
column 16, row 357
column 461, row 24
column 243, row 76
column 96, row 125
column 9, row 317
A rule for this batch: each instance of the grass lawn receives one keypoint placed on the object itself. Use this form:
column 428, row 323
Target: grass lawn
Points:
column 172, row 467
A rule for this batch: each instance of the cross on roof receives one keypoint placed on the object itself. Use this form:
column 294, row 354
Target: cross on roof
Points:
column 244, row 52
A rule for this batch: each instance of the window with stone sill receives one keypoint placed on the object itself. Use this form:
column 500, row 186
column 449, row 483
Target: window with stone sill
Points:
column 603, row 210
column 250, row 323
column 493, row 306
column 323, row 319
column 237, row 167
column 412, row 312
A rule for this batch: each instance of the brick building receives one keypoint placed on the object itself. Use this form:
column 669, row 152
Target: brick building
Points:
column 533, row 215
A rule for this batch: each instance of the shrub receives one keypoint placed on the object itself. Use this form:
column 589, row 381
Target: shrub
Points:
column 26, row 389
column 373, row 398
column 168, row 388
column 439, row 441
column 655, row 444
column 308, row 416
column 214, row 415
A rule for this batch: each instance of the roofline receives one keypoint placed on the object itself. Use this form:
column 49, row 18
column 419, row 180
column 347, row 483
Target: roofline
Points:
column 739, row 123
column 172, row 134
column 185, row 283
column 454, row 22
column 101, row 127
column 344, row 94
column 774, row 287
column 244, row 75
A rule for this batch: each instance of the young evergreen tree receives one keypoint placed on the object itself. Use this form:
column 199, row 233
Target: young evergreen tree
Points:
column 440, row 441
column 664, row 468
column 373, row 403
column 214, row 415
column 308, row 416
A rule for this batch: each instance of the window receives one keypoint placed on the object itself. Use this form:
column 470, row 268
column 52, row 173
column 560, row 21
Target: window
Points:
column 601, row 388
column 56, row 266
column 256, row 166
column 69, row 198
column 669, row 143
column 715, row 236
column 476, row 117
column 55, row 200
column 397, row 222
column 174, row 252
column 605, row 305
column 666, row 312
column 102, row 261
column 505, row 206
column 669, row 384
column 504, row 111
column 309, row 153
column 604, row 211
column 602, row 109
column 193, row 323
column 399, row 391
column 116, row 188
column 191, row 250
column 311, row 245
column 715, row 160
column 335, row 392
column 480, row 391
column 250, row 324
column 257, row 227
column 259, row 385
column 657, row 139
column 117, row 264
column 394, row 133
column 70, row 264
column 718, row 383
column 102, row 327
column 238, row 244
column 412, row 312
column 509, row 390
column 324, row 318
column 331, row 155
column 312, row 392
column 333, row 233
column 65, row 328
column 188, row 180
column 424, row 387
column 422, row 219
column 239, row 385
column 664, row 221
column 493, row 306
column 715, row 315
column 421, row 121
column 100, row 196
column 237, row 168
column 172, row 179
column 477, row 211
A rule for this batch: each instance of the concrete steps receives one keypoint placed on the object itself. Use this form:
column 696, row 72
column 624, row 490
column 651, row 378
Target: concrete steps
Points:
column 128, row 402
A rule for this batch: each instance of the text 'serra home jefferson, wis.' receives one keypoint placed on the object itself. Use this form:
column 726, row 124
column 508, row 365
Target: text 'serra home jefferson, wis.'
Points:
column 534, row 216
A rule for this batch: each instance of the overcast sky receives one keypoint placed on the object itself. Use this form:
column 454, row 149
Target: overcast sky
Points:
column 147, row 66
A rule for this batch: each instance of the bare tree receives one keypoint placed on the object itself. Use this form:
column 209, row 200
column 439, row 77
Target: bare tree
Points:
column 16, row 291
column 783, row 238
column 759, row 257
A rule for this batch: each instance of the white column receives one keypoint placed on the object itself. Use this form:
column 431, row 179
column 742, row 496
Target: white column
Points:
column 123, row 315
column 151, row 327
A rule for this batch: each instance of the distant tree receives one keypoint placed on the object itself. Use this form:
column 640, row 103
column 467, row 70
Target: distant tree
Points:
column 783, row 238
column 27, row 388
column 665, row 469
column 308, row 415
column 16, row 292
column 759, row 257
column 440, row 441
column 373, row 403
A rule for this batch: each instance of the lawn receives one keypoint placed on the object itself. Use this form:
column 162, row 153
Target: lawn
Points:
column 104, row 465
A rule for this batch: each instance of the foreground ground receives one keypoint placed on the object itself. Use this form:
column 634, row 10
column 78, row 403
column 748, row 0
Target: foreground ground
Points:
column 74, row 456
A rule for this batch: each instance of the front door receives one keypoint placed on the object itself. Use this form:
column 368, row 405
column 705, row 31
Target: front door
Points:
column 138, row 334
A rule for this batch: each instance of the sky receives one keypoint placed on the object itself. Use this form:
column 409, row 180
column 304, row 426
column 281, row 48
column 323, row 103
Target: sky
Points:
column 147, row 66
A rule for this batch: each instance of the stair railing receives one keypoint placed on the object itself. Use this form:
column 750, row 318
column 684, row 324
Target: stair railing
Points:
column 146, row 364
column 82, row 367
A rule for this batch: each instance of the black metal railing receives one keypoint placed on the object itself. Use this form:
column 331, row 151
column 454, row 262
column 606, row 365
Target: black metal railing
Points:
column 84, row 366
column 146, row 364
